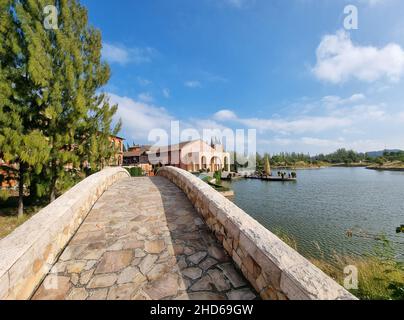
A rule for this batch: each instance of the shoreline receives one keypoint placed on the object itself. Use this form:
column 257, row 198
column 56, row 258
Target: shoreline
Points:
column 396, row 169
column 354, row 165
column 299, row 167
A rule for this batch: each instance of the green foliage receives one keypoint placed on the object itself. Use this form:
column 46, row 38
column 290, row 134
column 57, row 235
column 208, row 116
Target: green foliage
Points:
column 285, row 158
column 342, row 156
column 218, row 176
column 52, row 117
column 135, row 172
column 382, row 276
column 219, row 188
column 291, row 159
column 4, row 195
column 380, row 160
column 394, row 156
column 22, row 140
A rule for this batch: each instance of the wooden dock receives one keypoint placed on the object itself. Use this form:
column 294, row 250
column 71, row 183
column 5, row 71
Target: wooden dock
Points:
column 278, row 179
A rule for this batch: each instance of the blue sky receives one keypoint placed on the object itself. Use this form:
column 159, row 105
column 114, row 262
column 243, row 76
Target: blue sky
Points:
column 286, row 68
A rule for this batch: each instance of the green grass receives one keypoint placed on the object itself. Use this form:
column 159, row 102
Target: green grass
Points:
column 378, row 280
column 135, row 171
column 9, row 223
column 9, row 204
column 381, row 277
column 215, row 186
column 9, row 220
column 388, row 165
column 290, row 241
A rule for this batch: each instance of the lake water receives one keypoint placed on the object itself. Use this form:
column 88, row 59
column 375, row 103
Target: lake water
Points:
column 323, row 204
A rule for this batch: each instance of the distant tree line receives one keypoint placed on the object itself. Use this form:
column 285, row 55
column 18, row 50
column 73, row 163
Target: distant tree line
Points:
column 54, row 121
column 392, row 156
column 341, row 156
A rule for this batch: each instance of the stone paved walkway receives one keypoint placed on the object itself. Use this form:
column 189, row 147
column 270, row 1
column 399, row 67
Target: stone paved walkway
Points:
column 144, row 240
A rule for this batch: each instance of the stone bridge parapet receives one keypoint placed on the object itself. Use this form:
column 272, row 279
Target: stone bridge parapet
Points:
column 27, row 254
column 273, row 268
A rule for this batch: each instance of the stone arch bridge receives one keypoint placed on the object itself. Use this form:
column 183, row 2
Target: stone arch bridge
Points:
column 167, row 237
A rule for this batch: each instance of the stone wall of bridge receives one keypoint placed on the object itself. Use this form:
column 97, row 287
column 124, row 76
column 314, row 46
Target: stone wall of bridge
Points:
column 274, row 269
column 27, row 254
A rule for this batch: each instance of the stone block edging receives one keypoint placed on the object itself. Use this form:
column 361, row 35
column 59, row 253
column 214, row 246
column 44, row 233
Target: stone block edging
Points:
column 273, row 268
column 28, row 253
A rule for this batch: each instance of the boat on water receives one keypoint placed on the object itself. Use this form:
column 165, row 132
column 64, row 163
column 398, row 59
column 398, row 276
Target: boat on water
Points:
column 267, row 174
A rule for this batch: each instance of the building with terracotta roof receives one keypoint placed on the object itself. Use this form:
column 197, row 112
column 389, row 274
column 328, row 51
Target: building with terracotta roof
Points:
column 192, row 156
column 136, row 155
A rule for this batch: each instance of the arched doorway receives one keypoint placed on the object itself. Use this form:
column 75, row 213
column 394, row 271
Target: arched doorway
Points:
column 215, row 164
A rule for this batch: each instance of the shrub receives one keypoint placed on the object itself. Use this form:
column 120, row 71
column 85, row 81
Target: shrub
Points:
column 218, row 176
column 135, row 172
column 4, row 195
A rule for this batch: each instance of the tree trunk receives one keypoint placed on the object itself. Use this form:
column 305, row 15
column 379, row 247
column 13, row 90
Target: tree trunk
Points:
column 53, row 194
column 53, row 183
column 21, row 191
column 53, row 188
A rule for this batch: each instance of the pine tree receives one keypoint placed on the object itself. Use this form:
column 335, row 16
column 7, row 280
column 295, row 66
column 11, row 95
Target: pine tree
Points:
column 79, row 74
column 57, row 75
column 21, row 140
column 96, row 148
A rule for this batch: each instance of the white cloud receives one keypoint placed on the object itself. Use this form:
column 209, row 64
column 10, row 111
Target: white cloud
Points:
column 296, row 126
column 330, row 113
column 400, row 117
column 339, row 60
column 166, row 93
column 238, row 4
column 145, row 97
column 315, row 145
column 115, row 54
column 193, row 84
column 337, row 101
column 205, row 124
column 373, row 3
column 323, row 143
column 224, row 115
column 122, row 55
column 143, row 82
column 353, row 125
column 334, row 118
column 333, row 122
column 139, row 118
column 361, row 112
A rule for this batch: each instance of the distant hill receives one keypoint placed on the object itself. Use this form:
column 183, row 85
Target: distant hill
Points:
column 375, row 154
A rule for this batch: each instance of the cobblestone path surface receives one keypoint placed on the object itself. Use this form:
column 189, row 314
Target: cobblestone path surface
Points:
column 144, row 240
